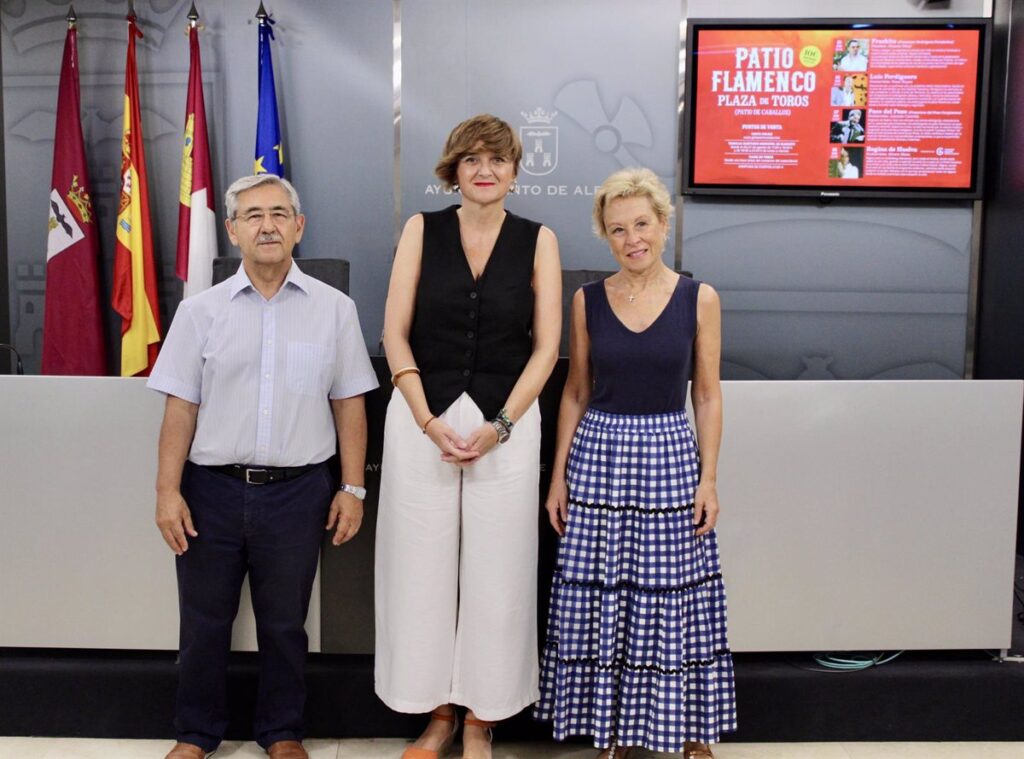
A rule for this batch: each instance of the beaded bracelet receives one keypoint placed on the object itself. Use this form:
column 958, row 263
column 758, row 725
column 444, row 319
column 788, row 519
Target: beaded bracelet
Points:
column 502, row 416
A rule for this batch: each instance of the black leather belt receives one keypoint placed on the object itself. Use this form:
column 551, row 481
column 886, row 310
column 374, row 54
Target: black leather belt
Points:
column 262, row 475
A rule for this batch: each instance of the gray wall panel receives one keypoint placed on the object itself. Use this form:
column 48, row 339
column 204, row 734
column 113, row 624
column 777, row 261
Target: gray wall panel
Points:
column 609, row 89
column 833, row 9
column 610, row 85
column 1000, row 353
column 336, row 127
column 870, row 289
column 848, row 290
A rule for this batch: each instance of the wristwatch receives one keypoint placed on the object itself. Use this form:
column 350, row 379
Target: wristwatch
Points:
column 356, row 490
column 502, row 430
column 503, row 426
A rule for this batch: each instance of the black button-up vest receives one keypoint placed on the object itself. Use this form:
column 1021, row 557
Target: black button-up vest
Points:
column 473, row 336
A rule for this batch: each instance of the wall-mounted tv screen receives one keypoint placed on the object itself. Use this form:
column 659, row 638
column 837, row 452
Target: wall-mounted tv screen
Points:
column 835, row 108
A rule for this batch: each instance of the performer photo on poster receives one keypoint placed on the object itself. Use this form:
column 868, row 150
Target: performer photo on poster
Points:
column 850, row 128
column 846, row 163
column 850, row 55
column 850, row 90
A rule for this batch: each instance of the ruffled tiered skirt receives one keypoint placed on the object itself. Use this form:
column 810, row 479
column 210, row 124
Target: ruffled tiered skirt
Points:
column 636, row 650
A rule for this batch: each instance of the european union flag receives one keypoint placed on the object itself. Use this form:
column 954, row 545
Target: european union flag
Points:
column 269, row 150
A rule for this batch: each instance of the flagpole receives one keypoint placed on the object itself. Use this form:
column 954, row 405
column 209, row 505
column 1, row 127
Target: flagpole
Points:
column 71, row 17
column 131, row 11
column 193, row 16
column 262, row 15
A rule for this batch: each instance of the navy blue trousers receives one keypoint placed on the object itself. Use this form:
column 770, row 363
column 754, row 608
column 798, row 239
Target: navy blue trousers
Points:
column 273, row 533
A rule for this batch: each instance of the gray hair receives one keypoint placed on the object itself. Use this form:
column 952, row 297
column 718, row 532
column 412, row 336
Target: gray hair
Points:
column 247, row 183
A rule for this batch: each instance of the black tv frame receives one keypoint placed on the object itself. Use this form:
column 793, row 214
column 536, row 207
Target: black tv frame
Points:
column 828, row 192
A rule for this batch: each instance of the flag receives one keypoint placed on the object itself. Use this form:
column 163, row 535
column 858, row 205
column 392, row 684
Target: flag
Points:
column 269, row 151
column 135, row 296
column 72, row 320
column 197, row 220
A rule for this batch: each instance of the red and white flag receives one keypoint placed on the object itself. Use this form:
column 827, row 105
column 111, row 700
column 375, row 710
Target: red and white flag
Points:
column 197, row 220
column 72, row 321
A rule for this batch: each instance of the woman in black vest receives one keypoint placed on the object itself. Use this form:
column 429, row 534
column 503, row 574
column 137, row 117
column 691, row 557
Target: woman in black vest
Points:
column 471, row 331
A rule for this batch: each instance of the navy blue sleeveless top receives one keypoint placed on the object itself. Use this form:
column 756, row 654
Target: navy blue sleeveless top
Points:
column 641, row 372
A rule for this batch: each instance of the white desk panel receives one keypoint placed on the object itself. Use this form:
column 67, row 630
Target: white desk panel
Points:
column 856, row 515
column 869, row 515
column 82, row 564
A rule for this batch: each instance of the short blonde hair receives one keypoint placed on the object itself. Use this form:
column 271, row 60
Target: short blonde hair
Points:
column 631, row 183
column 487, row 131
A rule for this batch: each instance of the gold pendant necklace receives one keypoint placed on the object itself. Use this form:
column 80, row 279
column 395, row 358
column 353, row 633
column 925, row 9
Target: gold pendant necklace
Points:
column 633, row 296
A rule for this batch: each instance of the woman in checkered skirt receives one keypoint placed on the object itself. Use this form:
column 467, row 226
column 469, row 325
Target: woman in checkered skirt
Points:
column 636, row 652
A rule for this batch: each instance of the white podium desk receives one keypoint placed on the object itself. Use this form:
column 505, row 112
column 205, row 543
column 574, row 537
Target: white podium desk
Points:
column 855, row 516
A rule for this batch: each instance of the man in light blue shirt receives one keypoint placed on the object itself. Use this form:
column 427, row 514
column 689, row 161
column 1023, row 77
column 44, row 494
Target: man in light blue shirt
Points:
column 263, row 373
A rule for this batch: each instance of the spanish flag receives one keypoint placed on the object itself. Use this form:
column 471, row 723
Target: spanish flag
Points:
column 135, row 297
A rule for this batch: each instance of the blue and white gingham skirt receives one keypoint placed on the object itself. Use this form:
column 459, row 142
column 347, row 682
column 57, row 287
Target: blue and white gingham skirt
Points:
column 636, row 650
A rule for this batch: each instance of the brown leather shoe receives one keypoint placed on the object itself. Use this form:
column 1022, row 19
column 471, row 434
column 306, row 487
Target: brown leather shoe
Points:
column 287, row 750
column 694, row 750
column 186, row 751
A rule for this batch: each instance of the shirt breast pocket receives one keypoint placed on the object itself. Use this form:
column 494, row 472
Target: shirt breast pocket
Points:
column 306, row 369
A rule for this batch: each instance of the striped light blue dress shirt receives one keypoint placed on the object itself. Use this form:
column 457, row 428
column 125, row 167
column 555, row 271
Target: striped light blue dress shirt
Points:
column 263, row 371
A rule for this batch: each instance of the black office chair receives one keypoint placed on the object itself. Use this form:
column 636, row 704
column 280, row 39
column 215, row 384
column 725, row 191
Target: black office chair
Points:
column 332, row 271
column 18, row 366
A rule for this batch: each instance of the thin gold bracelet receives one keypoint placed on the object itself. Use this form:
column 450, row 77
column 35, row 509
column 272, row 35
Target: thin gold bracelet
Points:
column 402, row 372
column 427, row 424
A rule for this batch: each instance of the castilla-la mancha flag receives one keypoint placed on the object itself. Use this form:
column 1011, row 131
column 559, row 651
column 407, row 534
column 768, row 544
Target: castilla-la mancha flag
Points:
column 197, row 220
column 135, row 294
column 72, row 322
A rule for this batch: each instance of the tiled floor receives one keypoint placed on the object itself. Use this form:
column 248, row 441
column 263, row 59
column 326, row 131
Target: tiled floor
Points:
column 76, row 748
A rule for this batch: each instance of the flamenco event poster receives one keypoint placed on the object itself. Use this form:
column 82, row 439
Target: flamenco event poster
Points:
column 879, row 107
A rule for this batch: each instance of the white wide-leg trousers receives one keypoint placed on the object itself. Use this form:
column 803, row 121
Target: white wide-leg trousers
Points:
column 456, row 568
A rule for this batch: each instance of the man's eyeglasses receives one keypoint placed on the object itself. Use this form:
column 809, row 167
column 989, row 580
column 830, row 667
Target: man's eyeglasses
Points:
column 255, row 218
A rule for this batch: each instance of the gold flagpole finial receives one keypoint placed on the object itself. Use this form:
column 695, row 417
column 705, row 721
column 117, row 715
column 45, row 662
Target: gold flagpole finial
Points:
column 71, row 17
column 262, row 14
column 193, row 15
column 131, row 11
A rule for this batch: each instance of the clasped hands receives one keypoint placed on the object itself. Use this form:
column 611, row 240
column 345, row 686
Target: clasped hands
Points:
column 456, row 450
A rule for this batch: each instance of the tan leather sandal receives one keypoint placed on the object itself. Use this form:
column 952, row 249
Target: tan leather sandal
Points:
column 444, row 748
column 694, row 750
column 474, row 722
